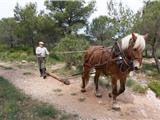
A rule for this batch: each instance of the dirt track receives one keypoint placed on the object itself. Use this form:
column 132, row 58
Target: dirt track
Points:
column 70, row 99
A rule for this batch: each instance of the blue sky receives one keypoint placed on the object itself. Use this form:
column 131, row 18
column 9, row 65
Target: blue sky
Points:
column 7, row 6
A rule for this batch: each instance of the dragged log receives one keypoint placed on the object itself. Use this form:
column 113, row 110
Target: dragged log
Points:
column 63, row 80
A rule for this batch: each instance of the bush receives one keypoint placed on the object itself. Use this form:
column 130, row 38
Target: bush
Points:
column 72, row 43
column 155, row 86
column 17, row 53
column 130, row 82
column 139, row 88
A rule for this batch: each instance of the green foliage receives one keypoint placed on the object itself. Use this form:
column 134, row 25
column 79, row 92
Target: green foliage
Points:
column 118, row 21
column 101, row 28
column 47, row 30
column 14, row 105
column 71, row 15
column 130, row 82
column 122, row 17
column 147, row 21
column 26, row 18
column 45, row 111
column 7, row 31
column 151, row 71
column 155, row 86
column 135, row 86
column 139, row 88
column 18, row 53
column 72, row 43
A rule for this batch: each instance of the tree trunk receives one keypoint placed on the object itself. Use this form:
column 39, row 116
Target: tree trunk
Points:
column 11, row 41
column 154, row 54
column 33, row 46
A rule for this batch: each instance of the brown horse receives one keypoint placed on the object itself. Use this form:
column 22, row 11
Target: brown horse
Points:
column 118, row 61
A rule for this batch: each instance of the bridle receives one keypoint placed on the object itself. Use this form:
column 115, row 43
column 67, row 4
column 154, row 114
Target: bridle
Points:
column 124, row 63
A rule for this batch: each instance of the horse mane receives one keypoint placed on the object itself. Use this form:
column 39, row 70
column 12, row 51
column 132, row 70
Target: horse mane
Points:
column 139, row 43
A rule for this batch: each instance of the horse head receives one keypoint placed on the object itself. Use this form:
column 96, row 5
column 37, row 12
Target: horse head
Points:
column 133, row 46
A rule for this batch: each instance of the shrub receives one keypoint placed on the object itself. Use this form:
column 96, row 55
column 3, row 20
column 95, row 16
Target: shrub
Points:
column 72, row 43
column 130, row 82
column 139, row 88
column 155, row 86
column 135, row 86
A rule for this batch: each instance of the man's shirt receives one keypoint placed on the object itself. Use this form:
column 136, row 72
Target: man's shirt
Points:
column 41, row 51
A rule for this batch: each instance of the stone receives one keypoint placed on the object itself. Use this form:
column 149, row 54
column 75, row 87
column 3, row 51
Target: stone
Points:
column 24, row 61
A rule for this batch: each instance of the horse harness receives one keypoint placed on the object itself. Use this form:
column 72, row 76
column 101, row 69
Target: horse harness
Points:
column 120, row 58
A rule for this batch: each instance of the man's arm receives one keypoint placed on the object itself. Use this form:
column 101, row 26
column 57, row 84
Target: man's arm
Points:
column 47, row 52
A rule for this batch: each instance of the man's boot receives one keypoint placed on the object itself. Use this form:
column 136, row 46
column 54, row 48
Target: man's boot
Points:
column 44, row 73
column 41, row 72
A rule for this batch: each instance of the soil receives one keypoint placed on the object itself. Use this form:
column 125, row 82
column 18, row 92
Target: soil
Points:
column 134, row 106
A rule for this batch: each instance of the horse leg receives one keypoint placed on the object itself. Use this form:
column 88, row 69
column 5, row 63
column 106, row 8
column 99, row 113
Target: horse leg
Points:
column 115, row 106
column 85, row 78
column 96, row 77
column 114, row 89
column 122, row 86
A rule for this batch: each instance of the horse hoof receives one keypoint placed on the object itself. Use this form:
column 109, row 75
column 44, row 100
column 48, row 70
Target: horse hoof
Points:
column 83, row 90
column 110, row 95
column 116, row 107
column 99, row 95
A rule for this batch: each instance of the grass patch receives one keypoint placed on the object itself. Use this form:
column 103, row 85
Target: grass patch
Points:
column 151, row 71
column 20, row 52
column 139, row 88
column 46, row 111
column 135, row 86
column 155, row 86
column 14, row 105
column 57, row 90
column 130, row 82
column 73, row 94
column 81, row 99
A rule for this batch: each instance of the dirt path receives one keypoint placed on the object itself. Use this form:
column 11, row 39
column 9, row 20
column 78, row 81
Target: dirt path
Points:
column 70, row 99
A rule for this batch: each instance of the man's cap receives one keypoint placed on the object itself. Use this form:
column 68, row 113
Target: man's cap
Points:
column 41, row 43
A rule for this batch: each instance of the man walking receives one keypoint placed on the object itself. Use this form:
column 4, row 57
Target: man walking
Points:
column 41, row 53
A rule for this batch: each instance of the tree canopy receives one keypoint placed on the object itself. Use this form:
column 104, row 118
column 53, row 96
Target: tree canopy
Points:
column 70, row 15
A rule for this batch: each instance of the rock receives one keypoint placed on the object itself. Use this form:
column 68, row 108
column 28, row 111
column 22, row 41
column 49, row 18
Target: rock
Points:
column 82, row 99
column 101, row 103
column 74, row 67
column 150, row 94
column 24, row 61
column 116, row 107
column 144, row 113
